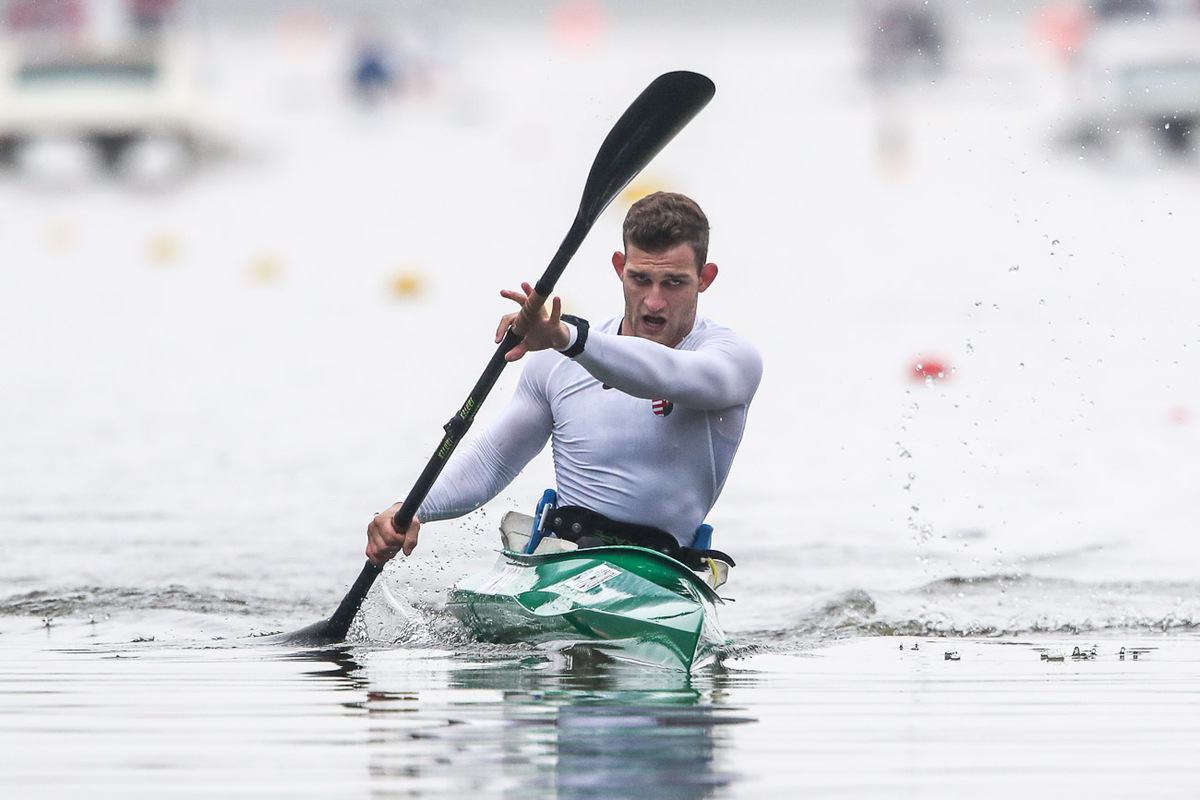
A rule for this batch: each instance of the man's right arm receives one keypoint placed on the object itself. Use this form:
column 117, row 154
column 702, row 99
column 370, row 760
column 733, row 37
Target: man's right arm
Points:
column 480, row 470
column 491, row 461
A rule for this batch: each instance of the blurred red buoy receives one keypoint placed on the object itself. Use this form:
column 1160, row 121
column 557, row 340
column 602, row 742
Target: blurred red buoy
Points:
column 1062, row 26
column 577, row 24
column 927, row 369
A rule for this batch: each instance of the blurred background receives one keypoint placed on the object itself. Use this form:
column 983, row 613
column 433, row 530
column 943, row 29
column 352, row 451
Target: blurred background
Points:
column 152, row 87
column 250, row 255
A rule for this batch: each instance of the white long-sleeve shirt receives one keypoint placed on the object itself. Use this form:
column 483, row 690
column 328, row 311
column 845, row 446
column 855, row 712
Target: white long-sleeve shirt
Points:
column 640, row 432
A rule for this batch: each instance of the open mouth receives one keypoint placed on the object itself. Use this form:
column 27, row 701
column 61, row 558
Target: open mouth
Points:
column 653, row 322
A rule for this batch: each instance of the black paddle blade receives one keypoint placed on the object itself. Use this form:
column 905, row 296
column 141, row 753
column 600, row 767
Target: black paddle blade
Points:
column 332, row 630
column 319, row 634
column 651, row 121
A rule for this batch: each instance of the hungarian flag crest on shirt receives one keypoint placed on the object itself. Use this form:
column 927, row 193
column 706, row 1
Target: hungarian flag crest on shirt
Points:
column 662, row 408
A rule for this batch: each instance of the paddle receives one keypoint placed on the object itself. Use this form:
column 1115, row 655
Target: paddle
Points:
column 652, row 120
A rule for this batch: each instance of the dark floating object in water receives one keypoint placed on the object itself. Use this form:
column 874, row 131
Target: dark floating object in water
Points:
column 1133, row 653
column 951, row 655
column 1083, row 655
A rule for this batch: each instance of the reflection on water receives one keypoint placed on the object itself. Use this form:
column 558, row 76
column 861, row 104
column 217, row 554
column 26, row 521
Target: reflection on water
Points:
column 869, row 717
column 569, row 725
column 619, row 744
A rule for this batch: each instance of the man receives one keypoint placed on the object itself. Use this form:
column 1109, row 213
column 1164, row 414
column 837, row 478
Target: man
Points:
column 644, row 412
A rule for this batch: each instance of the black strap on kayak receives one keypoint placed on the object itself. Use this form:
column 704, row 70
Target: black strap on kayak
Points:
column 588, row 528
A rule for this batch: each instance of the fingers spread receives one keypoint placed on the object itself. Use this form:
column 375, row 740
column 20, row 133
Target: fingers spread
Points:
column 505, row 323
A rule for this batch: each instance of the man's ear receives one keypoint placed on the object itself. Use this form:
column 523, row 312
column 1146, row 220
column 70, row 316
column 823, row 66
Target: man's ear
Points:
column 708, row 274
column 619, row 264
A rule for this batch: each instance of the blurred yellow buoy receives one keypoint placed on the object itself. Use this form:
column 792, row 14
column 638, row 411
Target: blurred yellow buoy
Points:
column 62, row 236
column 892, row 151
column 407, row 283
column 639, row 189
column 265, row 269
column 163, row 249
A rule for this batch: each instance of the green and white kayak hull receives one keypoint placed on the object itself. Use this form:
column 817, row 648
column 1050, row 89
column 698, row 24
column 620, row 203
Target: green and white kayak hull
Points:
column 634, row 604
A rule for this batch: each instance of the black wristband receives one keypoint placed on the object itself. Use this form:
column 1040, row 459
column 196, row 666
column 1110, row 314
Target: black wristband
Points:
column 581, row 328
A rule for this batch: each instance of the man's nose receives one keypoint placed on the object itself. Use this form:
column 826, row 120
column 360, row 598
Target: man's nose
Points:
column 655, row 300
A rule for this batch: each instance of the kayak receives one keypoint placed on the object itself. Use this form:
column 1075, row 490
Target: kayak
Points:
column 631, row 603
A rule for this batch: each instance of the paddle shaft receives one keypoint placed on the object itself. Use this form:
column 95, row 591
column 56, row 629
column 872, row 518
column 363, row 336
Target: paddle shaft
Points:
column 652, row 120
column 456, row 428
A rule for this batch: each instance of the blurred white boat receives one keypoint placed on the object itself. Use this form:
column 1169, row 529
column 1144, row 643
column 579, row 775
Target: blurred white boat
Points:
column 138, row 107
column 1138, row 82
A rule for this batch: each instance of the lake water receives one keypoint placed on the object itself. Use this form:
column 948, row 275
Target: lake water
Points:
column 209, row 388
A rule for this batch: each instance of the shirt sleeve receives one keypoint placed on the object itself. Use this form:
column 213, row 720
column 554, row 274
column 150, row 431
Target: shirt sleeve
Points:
column 483, row 467
column 723, row 371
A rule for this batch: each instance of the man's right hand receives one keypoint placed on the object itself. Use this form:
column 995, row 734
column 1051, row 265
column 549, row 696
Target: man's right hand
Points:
column 384, row 541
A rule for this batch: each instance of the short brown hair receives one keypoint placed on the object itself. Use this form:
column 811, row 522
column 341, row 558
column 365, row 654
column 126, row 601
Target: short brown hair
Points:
column 663, row 220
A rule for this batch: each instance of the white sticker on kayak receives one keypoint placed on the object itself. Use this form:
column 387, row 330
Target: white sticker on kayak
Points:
column 590, row 579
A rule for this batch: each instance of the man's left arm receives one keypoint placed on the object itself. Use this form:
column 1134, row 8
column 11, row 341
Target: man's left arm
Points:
column 723, row 371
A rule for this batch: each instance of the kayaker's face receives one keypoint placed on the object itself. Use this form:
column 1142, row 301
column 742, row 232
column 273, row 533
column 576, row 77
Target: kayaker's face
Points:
column 661, row 292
